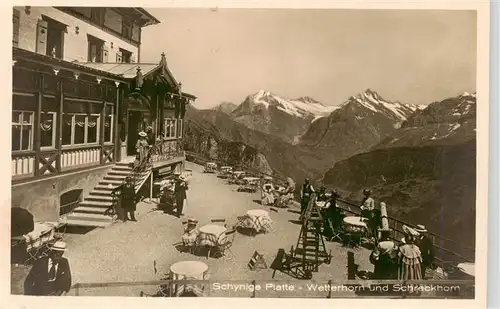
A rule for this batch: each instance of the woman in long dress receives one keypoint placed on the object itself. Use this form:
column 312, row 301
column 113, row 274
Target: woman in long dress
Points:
column 142, row 147
column 410, row 258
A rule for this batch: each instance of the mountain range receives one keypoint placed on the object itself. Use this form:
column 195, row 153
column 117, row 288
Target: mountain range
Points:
column 419, row 159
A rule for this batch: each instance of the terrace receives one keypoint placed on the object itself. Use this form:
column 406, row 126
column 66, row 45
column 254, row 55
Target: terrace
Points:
column 123, row 256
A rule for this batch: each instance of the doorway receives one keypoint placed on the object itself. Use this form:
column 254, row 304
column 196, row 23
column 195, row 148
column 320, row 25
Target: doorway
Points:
column 134, row 127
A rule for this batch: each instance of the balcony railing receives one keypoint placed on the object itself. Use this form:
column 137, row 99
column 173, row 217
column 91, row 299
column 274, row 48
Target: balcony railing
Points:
column 74, row 158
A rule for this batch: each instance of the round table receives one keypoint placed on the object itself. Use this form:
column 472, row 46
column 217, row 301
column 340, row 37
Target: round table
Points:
column 211, row 235
column 468, row 268
column 257, row 213
column 188, row 270
column 258, row 220
column 355, row 224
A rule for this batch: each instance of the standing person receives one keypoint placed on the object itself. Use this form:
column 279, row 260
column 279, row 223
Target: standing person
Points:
column 426, row 246
column 331, row 215
column 410, row 258
column 367, row 211
column 129, row 199
column 305, row 195
column 142, row 147
column 50, row 275
column 151, row 139
column 180, row 194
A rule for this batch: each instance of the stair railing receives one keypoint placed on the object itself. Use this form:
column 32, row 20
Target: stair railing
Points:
column 155, row 153
column 466, row 254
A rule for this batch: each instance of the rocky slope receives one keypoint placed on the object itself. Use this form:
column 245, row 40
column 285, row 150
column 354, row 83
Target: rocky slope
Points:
column 448, row 122
column 425, row 171
column 225, row 107
column 214, row 134
column 286, row 119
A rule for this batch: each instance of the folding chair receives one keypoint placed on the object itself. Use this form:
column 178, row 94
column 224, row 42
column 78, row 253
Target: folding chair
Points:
column 226, row 246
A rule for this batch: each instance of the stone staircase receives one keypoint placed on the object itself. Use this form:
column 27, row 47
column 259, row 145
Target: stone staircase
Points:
column 91, row 211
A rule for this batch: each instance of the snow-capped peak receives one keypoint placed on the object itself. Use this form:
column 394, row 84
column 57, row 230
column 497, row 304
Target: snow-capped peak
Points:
column 302, row 107
column 374, row 102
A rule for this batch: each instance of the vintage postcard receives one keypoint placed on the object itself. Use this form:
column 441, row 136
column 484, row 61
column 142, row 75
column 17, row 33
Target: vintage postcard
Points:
column 248, row 150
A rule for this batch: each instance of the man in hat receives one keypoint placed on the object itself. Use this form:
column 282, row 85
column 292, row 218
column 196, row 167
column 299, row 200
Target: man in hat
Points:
column 426, row 246
column 179, row 193
column 129, row 199
column 50, row 275
column 305, row 195
column 190, row 233
column 332, row 215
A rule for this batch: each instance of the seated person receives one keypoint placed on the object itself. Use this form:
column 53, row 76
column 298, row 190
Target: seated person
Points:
column 190, row 233
column 321, row 194
column 267, row 194
column 332, row 214
column 384, row 258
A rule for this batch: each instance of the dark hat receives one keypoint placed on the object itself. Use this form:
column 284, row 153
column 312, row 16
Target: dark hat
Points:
column 367, row 191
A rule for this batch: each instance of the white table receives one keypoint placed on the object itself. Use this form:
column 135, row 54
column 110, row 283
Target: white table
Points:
column 188, row 270
column 251, row 179
column 258, row 220
column 355, row 224
column 212, row 235
column 468, row 268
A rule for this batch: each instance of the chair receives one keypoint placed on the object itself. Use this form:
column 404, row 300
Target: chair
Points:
column 226, row 246
column 219, row 221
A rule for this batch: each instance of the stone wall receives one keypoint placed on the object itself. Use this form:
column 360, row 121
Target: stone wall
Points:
column 41, row 197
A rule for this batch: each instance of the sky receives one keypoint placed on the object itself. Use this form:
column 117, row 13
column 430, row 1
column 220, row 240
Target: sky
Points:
column 411, row 56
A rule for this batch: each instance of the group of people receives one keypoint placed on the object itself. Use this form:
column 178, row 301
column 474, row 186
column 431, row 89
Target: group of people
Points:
column 278, row 197
column 407, row 261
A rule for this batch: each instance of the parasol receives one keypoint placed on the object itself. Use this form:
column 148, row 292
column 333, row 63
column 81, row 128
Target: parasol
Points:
column 21, row 222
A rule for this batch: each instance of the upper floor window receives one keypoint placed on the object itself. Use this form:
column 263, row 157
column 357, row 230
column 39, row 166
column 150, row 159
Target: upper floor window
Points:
column 97, row 15
column 126, row 28
column 50, row 37
column 126, row 56
column 22, row 130
column 95, row 49
column 169, row 128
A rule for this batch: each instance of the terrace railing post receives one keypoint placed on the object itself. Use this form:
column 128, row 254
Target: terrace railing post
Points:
column 77, row 289
column 253, row 290
column 329, row 289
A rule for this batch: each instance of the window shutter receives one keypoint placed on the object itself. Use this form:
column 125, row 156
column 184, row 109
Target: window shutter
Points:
column 119, row 57
column 15, row 28
column 104, row 53
column 41, row 37
column 132, row 58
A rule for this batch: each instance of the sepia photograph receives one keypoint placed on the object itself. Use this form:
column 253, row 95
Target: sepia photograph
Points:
column 245, row 152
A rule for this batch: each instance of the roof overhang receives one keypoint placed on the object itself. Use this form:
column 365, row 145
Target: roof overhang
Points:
column 140, row 15
column 55, row 63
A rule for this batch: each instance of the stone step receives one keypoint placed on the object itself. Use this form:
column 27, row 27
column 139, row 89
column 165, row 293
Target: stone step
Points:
column 115, row 177
column 104, row 187
column 99, row 204
column 90, row 210
column 88, row 220
column 120, row 172
column 106, row 182
column 103, row 198
column 121, row 168
column 99, row 192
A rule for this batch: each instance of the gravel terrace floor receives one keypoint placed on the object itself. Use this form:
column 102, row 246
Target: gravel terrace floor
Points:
column 126, row 251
